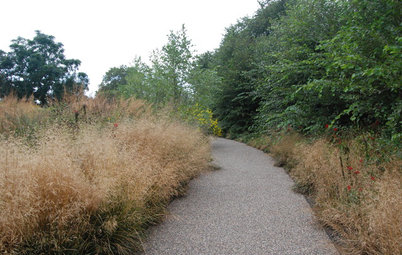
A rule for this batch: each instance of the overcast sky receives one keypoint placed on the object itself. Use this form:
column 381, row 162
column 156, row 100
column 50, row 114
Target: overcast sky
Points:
column 103, row 34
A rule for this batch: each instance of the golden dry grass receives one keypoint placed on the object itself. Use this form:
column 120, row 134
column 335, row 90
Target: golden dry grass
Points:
column 356, row 195
column 94, row 190
column 262, row 142
column 16, row 113
column 93, row 108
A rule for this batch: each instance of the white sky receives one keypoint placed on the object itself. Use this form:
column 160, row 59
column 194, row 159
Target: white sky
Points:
column 104, row 34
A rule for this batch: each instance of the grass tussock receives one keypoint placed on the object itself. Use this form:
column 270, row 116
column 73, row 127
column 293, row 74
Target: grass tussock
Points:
column 356, row 189
column 262, row 142
column 283, row 150
column 92, row 188
column 19, row 116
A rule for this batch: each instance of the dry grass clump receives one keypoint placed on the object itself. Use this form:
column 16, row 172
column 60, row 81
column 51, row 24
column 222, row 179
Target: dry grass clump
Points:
column 262, row 142
column 79, row 108
column 94, row 190
column 283, row 147
column 356, row 192
column 18, row 115
column 114, row 108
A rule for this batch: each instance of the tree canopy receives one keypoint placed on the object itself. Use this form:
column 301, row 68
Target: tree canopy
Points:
column 307, row 63
column 39, row 68
column 174, row 76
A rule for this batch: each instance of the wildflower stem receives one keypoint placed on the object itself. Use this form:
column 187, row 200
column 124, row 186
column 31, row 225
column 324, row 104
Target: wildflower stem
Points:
column 343, row 173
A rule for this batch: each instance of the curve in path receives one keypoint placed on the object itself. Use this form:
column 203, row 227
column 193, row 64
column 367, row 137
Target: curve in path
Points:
column 246, row 207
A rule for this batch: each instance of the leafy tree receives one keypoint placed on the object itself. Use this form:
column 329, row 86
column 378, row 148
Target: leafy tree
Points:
column 171, row 67
column 239, row 65
column 5, row 83
column 38, row 67
column 364, row 62
column 306, row 63
column 292, row 60
column 115, row 77
column 166, row 80
column 136, row 82
column 235, row 104
column 205, row 81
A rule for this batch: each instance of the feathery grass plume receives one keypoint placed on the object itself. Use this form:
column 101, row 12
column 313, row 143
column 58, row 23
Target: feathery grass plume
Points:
column 283, row 149
column 95, row 190
column 19, row 116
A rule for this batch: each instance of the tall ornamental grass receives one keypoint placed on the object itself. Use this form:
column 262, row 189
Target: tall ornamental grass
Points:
column 92, row 183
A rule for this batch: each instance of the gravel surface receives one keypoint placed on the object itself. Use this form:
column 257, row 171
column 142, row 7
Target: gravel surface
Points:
column 246, row 207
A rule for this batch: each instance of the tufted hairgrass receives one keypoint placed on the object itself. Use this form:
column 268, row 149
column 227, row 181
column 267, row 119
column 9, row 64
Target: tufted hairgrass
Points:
column 93, row 187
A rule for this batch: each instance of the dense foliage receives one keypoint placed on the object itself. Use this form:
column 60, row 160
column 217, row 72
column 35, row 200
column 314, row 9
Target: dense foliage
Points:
column 39, row 68
column 175, row 75
column 237, row 102
column 307, row 63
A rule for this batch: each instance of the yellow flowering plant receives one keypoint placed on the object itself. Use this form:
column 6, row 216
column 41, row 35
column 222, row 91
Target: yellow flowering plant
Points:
column 203, row 118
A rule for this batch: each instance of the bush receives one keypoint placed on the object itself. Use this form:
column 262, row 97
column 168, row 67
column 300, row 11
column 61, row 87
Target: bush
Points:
column 202, row 117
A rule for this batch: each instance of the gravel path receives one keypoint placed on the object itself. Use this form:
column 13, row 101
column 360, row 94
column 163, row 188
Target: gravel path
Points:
column 246, row 207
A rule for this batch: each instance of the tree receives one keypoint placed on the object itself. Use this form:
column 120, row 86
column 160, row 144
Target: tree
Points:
column 115, row 77
column 240, row 66
column 292, row 59
column 236, row 104
column 172, row 65
column 306, row 63
column 38, row 67
column 364, row 63
column 205, row 81
column 5, row 65
column 166, row 80
column 137, row 82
